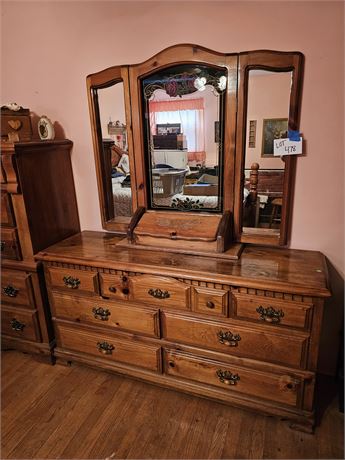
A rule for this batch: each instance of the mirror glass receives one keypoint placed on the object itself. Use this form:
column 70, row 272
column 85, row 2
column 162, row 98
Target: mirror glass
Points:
column 115, row 161
column 268, row 105
column 183, row 123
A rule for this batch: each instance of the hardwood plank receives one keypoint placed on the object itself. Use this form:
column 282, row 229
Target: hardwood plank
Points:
column 100, row 387
column 95, row 429
column 76, row 412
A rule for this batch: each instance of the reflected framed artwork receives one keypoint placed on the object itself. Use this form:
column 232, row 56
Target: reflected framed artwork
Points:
column 272, row 128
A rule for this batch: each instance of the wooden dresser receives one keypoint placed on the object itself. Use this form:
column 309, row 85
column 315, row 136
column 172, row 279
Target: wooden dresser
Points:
column 244, row 332
column 38, row 208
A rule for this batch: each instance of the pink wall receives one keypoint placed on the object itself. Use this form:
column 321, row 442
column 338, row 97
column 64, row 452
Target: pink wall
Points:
column 50, row 47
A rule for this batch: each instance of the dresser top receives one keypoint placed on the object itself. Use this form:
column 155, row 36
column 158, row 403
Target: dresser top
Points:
column 286, row 270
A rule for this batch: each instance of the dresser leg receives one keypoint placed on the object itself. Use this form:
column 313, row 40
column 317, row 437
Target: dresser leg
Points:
column 305, row 427
column 63, row 362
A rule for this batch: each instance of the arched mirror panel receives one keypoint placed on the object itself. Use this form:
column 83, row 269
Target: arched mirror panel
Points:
column 183, row 124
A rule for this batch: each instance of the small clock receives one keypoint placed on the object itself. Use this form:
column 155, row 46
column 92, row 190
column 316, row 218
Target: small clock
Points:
column 45, row 128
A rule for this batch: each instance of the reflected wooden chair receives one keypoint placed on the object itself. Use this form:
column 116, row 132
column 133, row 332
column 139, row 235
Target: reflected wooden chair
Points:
column 276, row 211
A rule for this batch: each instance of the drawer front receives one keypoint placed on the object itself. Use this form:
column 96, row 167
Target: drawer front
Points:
column 16, row 288
column 105, row 313
column 17, row 322
column 248, row 342
column 282, row 388
column 272, row 311
column 73, row 280
column 210, row 301
column 7, row 215
column 109, row 347
column 114, row 286
column 10, row 248
column 159, row 291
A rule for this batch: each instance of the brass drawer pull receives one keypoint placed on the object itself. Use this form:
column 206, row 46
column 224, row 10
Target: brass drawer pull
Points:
column 105, row 348
column 70, row 282
column 227, row 377
column 159, row 294
column 17, row 325
column 228, row 338
column 270, row 315
column 101, row 313
column 210, row 304
column 10, row 291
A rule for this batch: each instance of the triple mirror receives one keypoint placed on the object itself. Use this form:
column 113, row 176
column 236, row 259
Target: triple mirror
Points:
column 191, row 131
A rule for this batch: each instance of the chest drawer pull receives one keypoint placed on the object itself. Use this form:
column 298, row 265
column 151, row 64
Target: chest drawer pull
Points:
column 10, row 291
column 228, row 338
column 17, row 325
column 227, row 377
column 3, row 245
column 112, row 289
column 159, row 294
column 101, row 313
column 105, row 348
column 70, row 282
column 269, row 314
column 210, row 304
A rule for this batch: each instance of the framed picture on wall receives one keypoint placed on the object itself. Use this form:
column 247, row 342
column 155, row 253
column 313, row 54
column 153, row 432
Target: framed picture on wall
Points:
column 273, row 128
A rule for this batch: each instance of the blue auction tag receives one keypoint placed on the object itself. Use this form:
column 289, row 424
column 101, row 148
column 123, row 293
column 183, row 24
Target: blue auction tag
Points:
column 294, row 135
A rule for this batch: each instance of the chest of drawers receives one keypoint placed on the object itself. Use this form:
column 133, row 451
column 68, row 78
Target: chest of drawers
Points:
column 243, row 332
column 35, row 213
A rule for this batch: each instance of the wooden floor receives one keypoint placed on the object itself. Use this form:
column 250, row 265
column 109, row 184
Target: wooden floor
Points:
column 80, row 413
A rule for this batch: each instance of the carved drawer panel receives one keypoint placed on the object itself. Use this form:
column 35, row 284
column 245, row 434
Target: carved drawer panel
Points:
column 73, row 280
column 7, row 215
column 21, row 323
column 108, row 346
column 210, row 301
column 118, row 315
column 283, row 388
column 10, row 247
column 159, row 291
column 272, row 311
column 16, row 288
column 229, row 337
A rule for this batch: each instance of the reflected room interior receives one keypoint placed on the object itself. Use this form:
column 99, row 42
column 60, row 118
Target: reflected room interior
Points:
column 268, row 102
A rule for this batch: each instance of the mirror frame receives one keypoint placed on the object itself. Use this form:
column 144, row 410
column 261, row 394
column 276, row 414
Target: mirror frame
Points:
column 100, row 80
column 176, row 55
column 238, row 66
column 273, row 61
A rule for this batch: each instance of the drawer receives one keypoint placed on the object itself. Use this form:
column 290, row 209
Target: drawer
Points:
column 21, row 323
column 74, row 280
column 257, row 342
column 16, row 288
column 114, row 286
column 10, row 248
column 110, row 347
column 159, row 291
column 210, row 301
column 272, row 311
column 282, row 388
column 118, row 315
column 7, row 215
